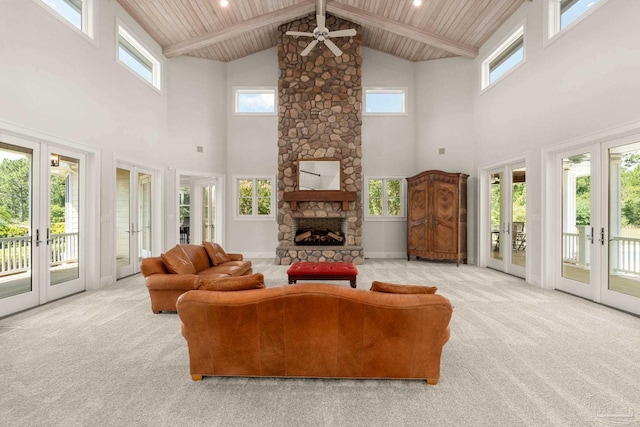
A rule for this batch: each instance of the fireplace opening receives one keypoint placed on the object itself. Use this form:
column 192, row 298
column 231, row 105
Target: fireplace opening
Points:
column 319, row 232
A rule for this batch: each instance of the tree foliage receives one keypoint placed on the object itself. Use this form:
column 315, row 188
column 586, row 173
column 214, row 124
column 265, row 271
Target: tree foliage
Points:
column 15, row 199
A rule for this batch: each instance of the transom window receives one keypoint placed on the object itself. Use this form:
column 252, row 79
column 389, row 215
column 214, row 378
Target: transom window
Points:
column 255, row 197
column 77, row 13
column 563, row 13
column 385, row 197
column 255, row 101
column 135, row 57
column 503, row 59
column 385, row 101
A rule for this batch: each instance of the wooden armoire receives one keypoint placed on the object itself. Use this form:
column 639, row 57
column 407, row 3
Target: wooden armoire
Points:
column 437, row 216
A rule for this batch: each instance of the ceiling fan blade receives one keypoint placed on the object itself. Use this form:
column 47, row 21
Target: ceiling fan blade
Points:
column 307, row 49
column 299, row 33
column 342, row 33
column 320, row 19
column 333, row 48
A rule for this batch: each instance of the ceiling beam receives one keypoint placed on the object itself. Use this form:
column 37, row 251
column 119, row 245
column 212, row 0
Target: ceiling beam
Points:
column 413, row 33
column 235, row 30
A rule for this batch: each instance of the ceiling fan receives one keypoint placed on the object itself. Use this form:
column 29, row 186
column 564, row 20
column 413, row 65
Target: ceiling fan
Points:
column 322, row 33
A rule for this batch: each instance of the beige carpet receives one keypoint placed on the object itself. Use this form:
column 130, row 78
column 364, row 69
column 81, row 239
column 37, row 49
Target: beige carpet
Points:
column 518, row 356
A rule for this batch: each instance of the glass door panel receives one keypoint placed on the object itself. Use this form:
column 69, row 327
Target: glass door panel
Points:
column 123, row 223
column 63, row 232
column 497, row 230
column 518, row 217
column 208, row 213
column 16, row 258
column 624, row 220
column 144, row 215
column 576, row 218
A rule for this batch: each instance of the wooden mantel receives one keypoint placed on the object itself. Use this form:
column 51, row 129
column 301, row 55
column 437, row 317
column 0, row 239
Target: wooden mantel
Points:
column 293, row 197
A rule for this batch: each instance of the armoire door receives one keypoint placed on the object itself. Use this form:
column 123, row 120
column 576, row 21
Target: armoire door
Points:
column 418, row 220
column 443, row 219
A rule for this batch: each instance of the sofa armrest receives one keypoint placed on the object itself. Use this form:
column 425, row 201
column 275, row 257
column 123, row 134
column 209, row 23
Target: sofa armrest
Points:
column 185, row 282
column 235, row 257
column 152, row 265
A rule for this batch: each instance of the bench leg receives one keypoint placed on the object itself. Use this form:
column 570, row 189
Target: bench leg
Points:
column 353, row 282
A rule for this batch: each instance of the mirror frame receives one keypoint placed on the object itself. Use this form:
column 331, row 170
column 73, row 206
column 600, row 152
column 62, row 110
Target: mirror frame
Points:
column 338, row 161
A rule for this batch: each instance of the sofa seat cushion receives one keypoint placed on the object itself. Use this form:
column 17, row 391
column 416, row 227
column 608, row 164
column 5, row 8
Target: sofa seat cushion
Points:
column 241, row 283
column 393, row 288
column 233, row 268
column 212, row 273
column 167, row 282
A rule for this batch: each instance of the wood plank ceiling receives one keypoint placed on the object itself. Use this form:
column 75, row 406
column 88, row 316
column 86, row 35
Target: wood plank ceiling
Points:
column 436, row 29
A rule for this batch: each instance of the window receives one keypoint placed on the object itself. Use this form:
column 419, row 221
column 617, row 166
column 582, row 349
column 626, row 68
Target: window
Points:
column 77, row 13
column 255, row 101
column 563, row 13
column 136, row 58
column 504, row 58
column 385, row 101
column 385, row 197
column 255, row 197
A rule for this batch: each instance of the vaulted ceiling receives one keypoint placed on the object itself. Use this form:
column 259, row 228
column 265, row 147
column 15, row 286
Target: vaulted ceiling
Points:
column 436, row 29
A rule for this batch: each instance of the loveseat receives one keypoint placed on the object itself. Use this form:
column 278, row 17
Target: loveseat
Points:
column 188, row 267
column 314, row 331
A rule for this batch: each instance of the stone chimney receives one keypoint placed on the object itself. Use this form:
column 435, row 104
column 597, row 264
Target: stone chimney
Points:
column 320, row 117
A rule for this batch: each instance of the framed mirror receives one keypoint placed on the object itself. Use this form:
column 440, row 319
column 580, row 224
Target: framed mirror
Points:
column 324, row 174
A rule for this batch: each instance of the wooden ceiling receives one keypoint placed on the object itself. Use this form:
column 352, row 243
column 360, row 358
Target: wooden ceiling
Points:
column 436, row 29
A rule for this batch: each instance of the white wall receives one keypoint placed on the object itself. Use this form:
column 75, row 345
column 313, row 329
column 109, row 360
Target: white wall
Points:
column 585, row 81
column 388, row 147
column 197, row 117
column 252, row 150
column 445, row 120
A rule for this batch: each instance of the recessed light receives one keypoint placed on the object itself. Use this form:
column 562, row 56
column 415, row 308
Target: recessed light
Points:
column 224, row 3
column 417, row 3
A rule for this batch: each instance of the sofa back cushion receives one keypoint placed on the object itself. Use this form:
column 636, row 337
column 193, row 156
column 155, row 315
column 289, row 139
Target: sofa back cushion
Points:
column 176, row 261
column 392, row 288
column 198, row 256
column 217, row 255
column 241, row 283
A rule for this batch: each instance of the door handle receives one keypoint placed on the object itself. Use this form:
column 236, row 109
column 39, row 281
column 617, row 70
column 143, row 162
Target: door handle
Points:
column 590, row 237
column 48, row 235
column 38, row 241
column 602, row 239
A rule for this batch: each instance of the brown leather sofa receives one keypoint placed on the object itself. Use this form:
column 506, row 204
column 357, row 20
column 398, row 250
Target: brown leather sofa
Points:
column 315, row 331
column 184, row 267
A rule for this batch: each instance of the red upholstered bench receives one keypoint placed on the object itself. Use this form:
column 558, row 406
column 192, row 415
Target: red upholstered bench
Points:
column 308, row 270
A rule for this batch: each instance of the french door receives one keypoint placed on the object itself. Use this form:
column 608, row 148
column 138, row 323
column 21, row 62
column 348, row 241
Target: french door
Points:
column 41, row 224
column 199, row 212
column 599, row 227
column 134, row 218
column 507, row 239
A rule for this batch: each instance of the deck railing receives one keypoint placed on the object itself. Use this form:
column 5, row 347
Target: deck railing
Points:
column 15, row 252
column 624, row 254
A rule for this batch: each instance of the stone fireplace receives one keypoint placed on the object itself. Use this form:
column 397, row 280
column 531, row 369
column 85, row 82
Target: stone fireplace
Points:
column 320, row 101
